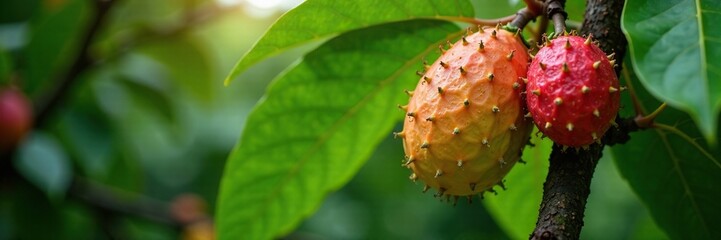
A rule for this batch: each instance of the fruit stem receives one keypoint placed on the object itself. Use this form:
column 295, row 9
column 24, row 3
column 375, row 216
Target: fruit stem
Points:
column 554, row 11
column 637, row 106
column 647, row 121
column 534, row 6
column 522, row 18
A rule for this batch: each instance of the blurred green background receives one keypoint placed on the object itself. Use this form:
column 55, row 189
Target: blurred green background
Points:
column 149, row 123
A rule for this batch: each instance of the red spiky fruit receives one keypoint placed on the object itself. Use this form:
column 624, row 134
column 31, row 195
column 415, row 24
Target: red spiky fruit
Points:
column 572, row 92
column 15, row 117
column 465, row 128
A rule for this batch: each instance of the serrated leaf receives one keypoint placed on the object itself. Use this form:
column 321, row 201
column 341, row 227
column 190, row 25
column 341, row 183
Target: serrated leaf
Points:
column 675, row 47
column 319, row 123
column 516, row 210
column 674, row 173
column 319, row 19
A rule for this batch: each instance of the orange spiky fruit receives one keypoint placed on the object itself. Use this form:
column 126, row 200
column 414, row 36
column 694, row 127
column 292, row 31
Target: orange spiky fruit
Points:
column 465, row 127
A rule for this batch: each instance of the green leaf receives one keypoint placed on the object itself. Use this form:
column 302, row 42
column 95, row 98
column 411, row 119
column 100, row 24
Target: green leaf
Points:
column 188, row 64
column 516, row 210
column 645, row 228
column 88, row 140
column 576, row 11
column 675, row 47
column 17, row 10
column 674, row 174
column 318, row 19
column 143, row 14
column 676, row 177
column 613, row 198
column 146, row 96
column 54, row 40
column 489, row 9
column 6, row 66
column 43, row 162
column 319, row 123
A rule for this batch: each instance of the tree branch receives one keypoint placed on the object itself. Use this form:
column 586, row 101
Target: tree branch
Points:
column 603, row 21
column 81, row 62
column 567, row 185
column 115, row 201
column 522, row 18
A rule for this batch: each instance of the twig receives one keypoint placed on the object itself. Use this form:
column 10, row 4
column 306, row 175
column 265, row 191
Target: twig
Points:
column 637, row 106
column 567, row 185
column 647, row 120
column 555, row 12
column 522, row 18
column 116, row 201
column 81, row 62
column 534, row 6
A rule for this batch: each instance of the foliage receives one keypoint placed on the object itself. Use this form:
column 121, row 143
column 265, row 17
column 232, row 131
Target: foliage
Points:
column 321, row 143
column 675, row 47
column 323, row 19
column 677, row 172
column 330, row 117
column 526, row 193
column 147, row 120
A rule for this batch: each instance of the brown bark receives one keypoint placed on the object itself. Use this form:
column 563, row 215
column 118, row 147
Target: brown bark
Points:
column 567, row 185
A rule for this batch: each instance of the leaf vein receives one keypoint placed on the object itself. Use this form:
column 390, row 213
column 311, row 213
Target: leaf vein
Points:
column 711, row 11
column 687, row 189
column 324, row 137
column 403, row 9
column 702, row 48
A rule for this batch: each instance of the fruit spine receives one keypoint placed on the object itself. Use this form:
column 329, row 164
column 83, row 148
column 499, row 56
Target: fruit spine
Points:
column 464, row 127
column 573, row 91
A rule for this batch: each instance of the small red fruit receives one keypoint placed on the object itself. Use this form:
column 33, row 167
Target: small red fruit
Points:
column 572, row 92
column 15, row 118
column 464, row 126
